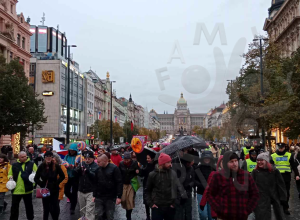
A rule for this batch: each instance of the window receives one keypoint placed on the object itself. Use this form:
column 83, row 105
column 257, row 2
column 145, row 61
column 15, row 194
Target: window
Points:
column 23, row 42
column 21, row 20
column 12, row 8
column 19, row 40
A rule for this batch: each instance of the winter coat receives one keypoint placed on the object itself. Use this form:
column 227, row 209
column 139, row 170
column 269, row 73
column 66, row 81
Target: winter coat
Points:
column 163, row 187
column 63, row 183
column 87, row 177
column 271, row 189
column 71, row 160
column 34, row 157
column 232, row 195
column 21, row 183
column 47, row 177
column 128, row 172
column 144, row 172
column 108, row 182
column 189, row 181
column 4, row 168
column 202, row 173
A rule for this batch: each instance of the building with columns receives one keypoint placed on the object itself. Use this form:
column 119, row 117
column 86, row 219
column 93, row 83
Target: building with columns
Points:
column 283, row 24
column 182, row 119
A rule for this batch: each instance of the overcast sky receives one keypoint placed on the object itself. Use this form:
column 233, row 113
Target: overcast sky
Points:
column 132, row 39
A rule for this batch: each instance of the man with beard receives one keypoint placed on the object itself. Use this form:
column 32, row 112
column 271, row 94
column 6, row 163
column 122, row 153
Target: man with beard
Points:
column 161, row 190
column 232, row 192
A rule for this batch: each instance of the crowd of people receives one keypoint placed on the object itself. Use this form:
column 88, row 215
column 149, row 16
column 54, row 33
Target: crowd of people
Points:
column 227, row 185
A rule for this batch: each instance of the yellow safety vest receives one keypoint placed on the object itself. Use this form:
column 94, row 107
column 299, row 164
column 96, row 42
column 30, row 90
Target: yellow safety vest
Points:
column 282, row 162
column 208, row 148
column 250, row 165
column 246, row 151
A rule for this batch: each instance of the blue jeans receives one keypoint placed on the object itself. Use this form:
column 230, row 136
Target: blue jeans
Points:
column 205, row 214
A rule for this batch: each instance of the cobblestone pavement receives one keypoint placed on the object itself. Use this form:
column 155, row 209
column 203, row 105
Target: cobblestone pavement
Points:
column 137, row 214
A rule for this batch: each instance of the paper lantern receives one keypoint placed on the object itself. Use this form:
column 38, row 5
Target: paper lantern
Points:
column 136, row 145
column 31, row 177
column 65, row 163
column 81, row 145
column 11, row 184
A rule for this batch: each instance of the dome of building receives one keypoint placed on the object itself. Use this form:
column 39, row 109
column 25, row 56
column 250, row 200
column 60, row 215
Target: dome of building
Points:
column 181, row 100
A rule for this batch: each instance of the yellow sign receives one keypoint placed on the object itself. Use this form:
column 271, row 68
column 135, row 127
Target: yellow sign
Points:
column 48, row 93
column 48, row 76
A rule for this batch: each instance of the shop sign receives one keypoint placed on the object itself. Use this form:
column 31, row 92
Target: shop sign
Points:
column 48, row 93
column 48, row 76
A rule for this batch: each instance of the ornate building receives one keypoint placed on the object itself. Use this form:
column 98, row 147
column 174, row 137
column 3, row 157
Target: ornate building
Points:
column 14, row 44
column 182, row 119
column 283, row 24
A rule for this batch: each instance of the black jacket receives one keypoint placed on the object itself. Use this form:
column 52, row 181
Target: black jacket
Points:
column 48, row 178
column 202, row 173
column 145, row 172
column 128, row 172
column 86, row 176
column 34, row 157
column 108, row 182
column 163, row 187
column 189, row 181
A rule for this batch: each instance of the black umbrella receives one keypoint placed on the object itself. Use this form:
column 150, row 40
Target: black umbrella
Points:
column 142, row 157
column 188, row 141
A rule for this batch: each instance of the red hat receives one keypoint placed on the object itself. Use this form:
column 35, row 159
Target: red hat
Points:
column 163, row 158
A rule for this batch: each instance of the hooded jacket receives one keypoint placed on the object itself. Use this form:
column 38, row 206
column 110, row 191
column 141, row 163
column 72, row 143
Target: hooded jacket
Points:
column 15, row 172
column 4, row 168
column 128, row 172
column 71, row 160
column 163, row 187
column 232, row 195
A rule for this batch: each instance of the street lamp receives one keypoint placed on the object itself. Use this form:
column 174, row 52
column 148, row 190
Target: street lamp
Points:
column 111, row 123
column 261, row 83
column 68, row 96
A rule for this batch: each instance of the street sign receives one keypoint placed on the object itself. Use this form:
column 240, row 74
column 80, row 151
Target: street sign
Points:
column 224, row 139
column 232, row 138
column 216, row 139
column 121, row 140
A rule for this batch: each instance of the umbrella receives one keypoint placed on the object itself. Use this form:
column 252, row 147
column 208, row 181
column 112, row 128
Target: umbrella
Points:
column 184, row 142
column 142, row 157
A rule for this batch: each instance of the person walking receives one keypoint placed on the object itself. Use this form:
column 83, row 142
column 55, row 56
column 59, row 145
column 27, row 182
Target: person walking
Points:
column 46, row 177
column 4, row 168
column 283, row 161
column 271, row 188
column 215, row 151
column 184, row 208
column 108, row 188
column 250, row 163
column 162, row 188
column 115, row 156
column 202, row 173
column 129, row 169
column 71, row 187
column 144, row 172
column 232, row 192
column 296, row 168
column 86, row 175
column 33, row 156
column 20, row 172
column 57, row 160
column 245, row 151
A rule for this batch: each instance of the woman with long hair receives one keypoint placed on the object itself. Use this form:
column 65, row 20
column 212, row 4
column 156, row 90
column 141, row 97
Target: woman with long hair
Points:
column 4, row 168
column 57, row 160
column 46, row 177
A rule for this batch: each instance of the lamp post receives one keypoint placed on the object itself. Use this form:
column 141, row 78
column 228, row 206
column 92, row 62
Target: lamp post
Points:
column 111, row 123
column 68, row 96
column 261, row 84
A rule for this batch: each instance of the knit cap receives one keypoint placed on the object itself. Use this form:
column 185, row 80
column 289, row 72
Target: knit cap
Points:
column 163, row 158
column 264, row 156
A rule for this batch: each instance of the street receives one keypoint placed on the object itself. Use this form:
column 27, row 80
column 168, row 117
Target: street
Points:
column 137, row 214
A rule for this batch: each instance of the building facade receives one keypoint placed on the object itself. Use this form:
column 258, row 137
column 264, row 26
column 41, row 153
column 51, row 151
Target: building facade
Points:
column 182, row 119
column 283, row 25
column 14, row 42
